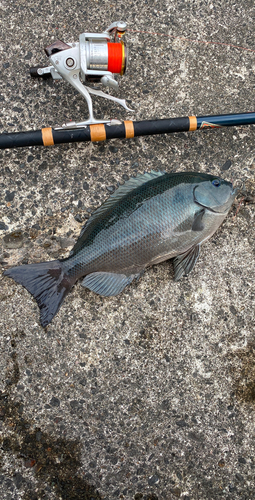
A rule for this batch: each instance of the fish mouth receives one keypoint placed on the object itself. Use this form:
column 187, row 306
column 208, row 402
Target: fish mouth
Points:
column 237, row 186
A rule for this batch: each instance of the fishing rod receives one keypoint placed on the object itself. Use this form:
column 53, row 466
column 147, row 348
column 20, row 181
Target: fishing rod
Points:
column 97, row 58
column 125, row 130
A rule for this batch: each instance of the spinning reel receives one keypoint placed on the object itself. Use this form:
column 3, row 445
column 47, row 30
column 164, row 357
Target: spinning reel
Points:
column 97, row 57
column 94, row 59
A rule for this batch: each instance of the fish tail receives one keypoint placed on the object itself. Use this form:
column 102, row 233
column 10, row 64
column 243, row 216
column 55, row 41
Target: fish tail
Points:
column 48, row 284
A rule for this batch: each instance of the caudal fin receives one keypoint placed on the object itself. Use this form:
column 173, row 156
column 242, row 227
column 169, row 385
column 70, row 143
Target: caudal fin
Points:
column 47, row 283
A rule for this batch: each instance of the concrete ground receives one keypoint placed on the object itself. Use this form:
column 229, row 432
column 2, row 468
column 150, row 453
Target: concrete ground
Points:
column 149, row 395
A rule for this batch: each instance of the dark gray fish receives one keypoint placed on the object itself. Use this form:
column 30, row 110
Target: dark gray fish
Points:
column 153, row 217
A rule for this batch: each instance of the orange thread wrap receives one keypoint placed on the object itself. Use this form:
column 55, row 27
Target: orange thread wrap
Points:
column 129, row 129
column 47, row 136
column 97, row 132
column 192, row 123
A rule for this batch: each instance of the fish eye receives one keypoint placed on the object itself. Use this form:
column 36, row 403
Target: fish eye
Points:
column 216, row 182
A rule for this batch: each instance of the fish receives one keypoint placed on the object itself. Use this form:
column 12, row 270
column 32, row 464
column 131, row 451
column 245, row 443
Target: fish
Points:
column 151, row 218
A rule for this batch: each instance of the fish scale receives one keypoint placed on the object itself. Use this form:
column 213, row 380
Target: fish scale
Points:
column 151, row 218
column 138, row 229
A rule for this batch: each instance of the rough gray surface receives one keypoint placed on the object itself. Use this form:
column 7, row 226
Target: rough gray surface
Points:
column 149, row 395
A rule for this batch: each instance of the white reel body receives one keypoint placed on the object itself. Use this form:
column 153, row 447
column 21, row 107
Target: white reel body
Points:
column 94, row 59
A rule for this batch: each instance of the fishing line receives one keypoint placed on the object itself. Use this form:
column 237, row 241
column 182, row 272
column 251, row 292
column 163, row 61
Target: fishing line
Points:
column 192, row 40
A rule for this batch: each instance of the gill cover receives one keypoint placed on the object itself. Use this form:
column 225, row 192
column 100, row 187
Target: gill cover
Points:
column 216, row 195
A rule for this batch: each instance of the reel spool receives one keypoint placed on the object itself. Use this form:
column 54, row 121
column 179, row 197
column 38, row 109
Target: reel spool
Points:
column 94, row 59
column 101, row 57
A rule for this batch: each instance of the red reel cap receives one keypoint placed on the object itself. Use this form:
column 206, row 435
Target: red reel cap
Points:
column 116, row 58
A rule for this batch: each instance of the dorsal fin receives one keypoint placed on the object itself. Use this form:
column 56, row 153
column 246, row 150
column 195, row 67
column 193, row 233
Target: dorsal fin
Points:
column 123, row 190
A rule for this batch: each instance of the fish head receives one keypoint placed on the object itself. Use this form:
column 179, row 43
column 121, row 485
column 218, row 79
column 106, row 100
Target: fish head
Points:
column 215, row 194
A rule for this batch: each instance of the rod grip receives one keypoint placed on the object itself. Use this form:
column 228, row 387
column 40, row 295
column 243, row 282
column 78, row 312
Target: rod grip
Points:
column 21, row 139
column 44, row 137
column 165, row 126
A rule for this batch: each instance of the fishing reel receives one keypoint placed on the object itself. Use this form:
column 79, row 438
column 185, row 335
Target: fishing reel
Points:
column 94, row 59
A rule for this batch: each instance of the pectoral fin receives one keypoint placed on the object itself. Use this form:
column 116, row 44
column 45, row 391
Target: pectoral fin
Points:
column 107, row 284
column 185, row 262
column 197, row 223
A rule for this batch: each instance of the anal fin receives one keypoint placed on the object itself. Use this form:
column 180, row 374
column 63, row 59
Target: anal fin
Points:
column 185, row 262
column 107, row 284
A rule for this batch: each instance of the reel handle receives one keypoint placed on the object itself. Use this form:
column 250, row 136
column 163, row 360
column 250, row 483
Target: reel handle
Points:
column 38, row 72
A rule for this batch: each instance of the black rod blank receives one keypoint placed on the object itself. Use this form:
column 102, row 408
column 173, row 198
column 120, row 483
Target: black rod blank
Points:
column 126, row 130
